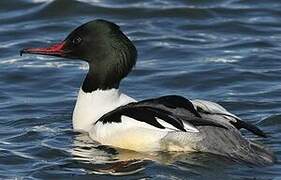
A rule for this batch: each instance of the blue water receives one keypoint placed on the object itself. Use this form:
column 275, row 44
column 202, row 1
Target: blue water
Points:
column 227, row 51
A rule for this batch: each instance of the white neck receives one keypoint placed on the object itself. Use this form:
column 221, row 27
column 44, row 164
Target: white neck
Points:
column 91, row 106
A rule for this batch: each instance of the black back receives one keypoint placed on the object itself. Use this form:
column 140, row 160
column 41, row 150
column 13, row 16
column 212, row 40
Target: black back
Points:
column 174, row 110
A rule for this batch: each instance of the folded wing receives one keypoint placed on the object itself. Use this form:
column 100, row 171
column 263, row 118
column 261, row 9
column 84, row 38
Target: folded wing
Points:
column 216, row 112
column 173, row 113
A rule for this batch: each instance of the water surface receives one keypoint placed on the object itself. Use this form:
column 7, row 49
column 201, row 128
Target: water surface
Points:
column 227, row 51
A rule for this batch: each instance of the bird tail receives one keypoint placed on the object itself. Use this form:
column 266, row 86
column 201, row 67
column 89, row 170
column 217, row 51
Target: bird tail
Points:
column 256, row 154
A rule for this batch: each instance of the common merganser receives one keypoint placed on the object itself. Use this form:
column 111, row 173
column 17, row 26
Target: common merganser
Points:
column 167, row 123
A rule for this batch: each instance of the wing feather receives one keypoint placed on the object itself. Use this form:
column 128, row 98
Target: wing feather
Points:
column 172, row 111
column 212, row 110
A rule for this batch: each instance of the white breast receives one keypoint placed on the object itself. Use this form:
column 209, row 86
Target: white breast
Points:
column 91, row 106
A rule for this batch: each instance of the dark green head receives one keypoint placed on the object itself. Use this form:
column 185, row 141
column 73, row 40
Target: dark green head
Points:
column 110, row 54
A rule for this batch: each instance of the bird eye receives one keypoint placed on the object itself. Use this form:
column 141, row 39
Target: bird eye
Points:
column 77, row 40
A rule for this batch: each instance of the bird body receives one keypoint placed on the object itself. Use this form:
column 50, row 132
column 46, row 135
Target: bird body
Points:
column 167, row 123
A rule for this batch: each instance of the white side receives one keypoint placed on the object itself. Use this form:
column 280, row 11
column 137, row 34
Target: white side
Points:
column 129, row 134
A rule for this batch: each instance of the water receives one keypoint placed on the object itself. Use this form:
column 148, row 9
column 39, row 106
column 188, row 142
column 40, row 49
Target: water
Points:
column 226, row 51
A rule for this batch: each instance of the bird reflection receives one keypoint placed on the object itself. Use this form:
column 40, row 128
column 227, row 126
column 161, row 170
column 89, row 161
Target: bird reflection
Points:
column 115, row 161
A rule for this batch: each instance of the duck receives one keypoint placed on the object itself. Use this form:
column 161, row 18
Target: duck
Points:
column 167, row 123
